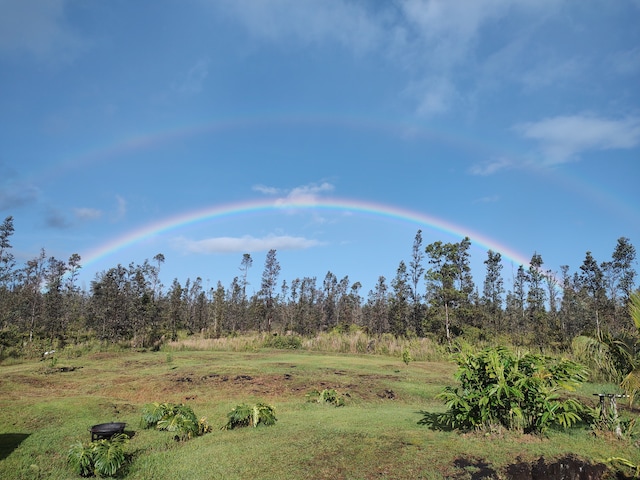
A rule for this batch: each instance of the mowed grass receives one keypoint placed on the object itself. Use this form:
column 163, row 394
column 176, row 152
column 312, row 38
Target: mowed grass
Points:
column 46, row 407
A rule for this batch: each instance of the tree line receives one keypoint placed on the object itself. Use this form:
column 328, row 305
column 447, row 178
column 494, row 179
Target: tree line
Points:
column 432, row 294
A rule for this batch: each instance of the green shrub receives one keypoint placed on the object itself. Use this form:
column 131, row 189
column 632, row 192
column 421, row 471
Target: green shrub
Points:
column 326, row 396
column 171, row 417
column 102, row 457
column 244, row 415
column 283, row 342
column 499, row 389
column 406, row 355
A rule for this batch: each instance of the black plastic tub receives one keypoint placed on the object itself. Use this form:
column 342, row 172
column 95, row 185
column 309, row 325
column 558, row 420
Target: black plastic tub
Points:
column 106, row 430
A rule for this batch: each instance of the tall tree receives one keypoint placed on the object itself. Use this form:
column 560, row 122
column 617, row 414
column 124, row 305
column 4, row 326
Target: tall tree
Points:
column 592, row 283
column 377, row 307
column 493, row 288
column 268, row 286
column 245, row 265
column 449, row 281
column 6, row 257
column 536, row 299
column 416, row 273
column 399, row 308
column 7, row 264
column 54, row 299
column 34, row 278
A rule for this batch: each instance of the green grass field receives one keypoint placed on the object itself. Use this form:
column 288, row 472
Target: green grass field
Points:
column 46, row 407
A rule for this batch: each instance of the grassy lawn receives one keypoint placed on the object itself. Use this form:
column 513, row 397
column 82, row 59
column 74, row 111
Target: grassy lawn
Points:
column 46, row 407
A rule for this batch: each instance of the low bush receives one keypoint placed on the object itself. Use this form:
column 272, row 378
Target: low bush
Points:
column 105, row 458
column 244, row 415
column 326, row 396
column 283, row 342
column 171, row 417
column 500, row 389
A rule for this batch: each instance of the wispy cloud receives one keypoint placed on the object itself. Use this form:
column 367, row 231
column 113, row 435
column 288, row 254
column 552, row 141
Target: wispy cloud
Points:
column 490, row 167
column 564, row 138
column 85, row 213
column 434, row 42
column 193, row 81
column 309, row 193
column 487, row 199
column 121, row 209
column 245, row 243
column 266, row 190
column 38, row 27
column 337, row 21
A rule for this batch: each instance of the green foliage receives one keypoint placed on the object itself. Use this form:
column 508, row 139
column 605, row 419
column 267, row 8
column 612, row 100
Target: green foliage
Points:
column 80, row 459
column 102, row 457
column 624, row 467
column 326, row 396
column 170, row 417
column 499, row 389
column 283, row 342
column 406, row 356
column 244, row 415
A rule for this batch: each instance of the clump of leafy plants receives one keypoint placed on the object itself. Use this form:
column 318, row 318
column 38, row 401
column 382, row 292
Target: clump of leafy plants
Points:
column 499, row 389
column 105, row 457
column 283, row 342
column 244, row 415
column 171, row 417
column 326, row 396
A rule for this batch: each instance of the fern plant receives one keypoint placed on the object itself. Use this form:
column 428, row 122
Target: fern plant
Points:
column 244, row 415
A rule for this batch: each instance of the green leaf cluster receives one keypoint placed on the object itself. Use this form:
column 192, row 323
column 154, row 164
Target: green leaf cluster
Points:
column 105, row 458
column 326, row 396
column 499, row 389
column 244, row 415
column 171, row 417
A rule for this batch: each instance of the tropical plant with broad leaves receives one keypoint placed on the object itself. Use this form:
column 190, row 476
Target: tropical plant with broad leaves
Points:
column 244, row 415
column 104, row 457
column 499, row 389
column 177, row 418
column 328, row 395
column 615, row 358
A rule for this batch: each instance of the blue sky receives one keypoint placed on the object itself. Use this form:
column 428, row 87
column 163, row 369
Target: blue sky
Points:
column 517, row 122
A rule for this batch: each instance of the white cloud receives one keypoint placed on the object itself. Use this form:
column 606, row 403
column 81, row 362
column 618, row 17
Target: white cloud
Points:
column 491, row 167
column 87, row 213
column 245, row 243
column 266, row 190
column 553, row 72
column 307, row 22
column 37, row 27
column 302, row 194
column 121, row 209
column 193, row 81
column 565, row 138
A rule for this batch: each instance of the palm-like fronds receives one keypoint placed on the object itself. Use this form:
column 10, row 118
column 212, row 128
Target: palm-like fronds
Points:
column 596, row 354
column 103, row 457
column 172, row 417
column 504, row 390
column 244, row 415
column 80, row 459
column 108, row 455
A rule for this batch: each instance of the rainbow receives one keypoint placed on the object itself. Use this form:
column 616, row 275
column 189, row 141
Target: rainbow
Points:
column 255, row 206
